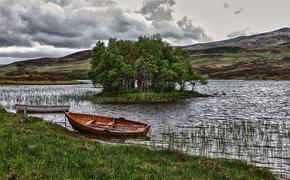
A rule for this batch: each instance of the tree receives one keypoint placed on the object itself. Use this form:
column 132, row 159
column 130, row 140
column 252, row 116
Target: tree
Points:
column 181, row 67
column 148, row 64
column 195, row 77
column 108, row 69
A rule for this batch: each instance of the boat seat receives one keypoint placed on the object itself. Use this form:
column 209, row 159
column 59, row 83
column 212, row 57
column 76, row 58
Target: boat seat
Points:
column 105, row 124
column 111, row 123
column 89, row 122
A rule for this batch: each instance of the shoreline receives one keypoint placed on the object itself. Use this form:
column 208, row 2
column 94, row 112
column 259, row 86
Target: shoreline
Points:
column 145, row 97
column 68, row 82
column 37, row 79
column 75, row 156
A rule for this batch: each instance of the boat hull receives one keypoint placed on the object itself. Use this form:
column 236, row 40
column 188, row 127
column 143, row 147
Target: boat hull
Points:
column 41, row 109
column 102, row 131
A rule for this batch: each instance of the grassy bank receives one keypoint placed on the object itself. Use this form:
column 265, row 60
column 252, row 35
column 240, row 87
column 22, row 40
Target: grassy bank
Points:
column 35, row 78
column 35, row 149
column 145, row 97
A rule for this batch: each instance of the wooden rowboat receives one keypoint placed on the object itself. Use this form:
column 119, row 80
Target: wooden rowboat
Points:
column 106, row 126
column 40, row 109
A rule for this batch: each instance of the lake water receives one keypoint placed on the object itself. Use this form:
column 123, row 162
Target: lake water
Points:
column 251, row 122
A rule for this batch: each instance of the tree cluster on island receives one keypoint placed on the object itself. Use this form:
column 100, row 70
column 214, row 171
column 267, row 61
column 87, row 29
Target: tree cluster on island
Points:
column 146, row 65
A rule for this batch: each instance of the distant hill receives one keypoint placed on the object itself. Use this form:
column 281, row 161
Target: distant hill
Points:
column 75, row 66
column 264, row 41
column 79, row 56
column 260, row 56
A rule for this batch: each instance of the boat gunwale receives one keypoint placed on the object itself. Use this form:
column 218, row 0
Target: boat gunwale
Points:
column 35, row 109
column 104, row 131
column 132, row 121
column 42, row 106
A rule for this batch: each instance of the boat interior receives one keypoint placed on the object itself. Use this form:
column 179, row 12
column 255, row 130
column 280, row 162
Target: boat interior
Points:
column 108, row 122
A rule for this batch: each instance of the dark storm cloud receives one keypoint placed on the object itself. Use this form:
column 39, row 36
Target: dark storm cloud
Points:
column 160, row 13
column 12, row 39
column 60, row 25
column 64, row 23
column 226, row 5
column 182, row 29
column 239, row 11
column 158, row 10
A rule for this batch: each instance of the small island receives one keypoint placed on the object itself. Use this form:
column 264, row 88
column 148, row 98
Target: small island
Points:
column 143, row 71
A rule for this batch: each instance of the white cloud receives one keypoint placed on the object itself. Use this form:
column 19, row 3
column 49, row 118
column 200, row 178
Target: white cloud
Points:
column 238, row 33
column 16, row 53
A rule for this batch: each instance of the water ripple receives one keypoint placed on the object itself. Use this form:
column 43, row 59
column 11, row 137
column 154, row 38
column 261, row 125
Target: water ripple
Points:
column 251, row 122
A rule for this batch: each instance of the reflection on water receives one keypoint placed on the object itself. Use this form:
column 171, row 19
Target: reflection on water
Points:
column 251, row 122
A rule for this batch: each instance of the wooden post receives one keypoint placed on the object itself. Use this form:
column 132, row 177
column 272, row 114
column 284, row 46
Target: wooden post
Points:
column 65, row 121
column 25, row 112
column 23, row 119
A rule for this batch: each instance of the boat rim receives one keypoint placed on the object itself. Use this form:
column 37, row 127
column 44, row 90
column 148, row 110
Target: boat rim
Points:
column 68, row 114
column 43, row 106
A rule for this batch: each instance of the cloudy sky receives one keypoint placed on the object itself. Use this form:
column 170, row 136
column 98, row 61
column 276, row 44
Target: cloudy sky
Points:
column 51, row 28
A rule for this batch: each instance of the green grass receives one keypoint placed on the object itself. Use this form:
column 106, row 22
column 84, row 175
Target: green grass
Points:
column 75, row 69
column 225, row 59
column 145, row 97
column 35, row 149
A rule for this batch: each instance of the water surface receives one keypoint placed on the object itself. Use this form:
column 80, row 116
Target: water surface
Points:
column 251, row 122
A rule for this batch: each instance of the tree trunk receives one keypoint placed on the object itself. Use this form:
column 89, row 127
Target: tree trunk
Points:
column 192, row 85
